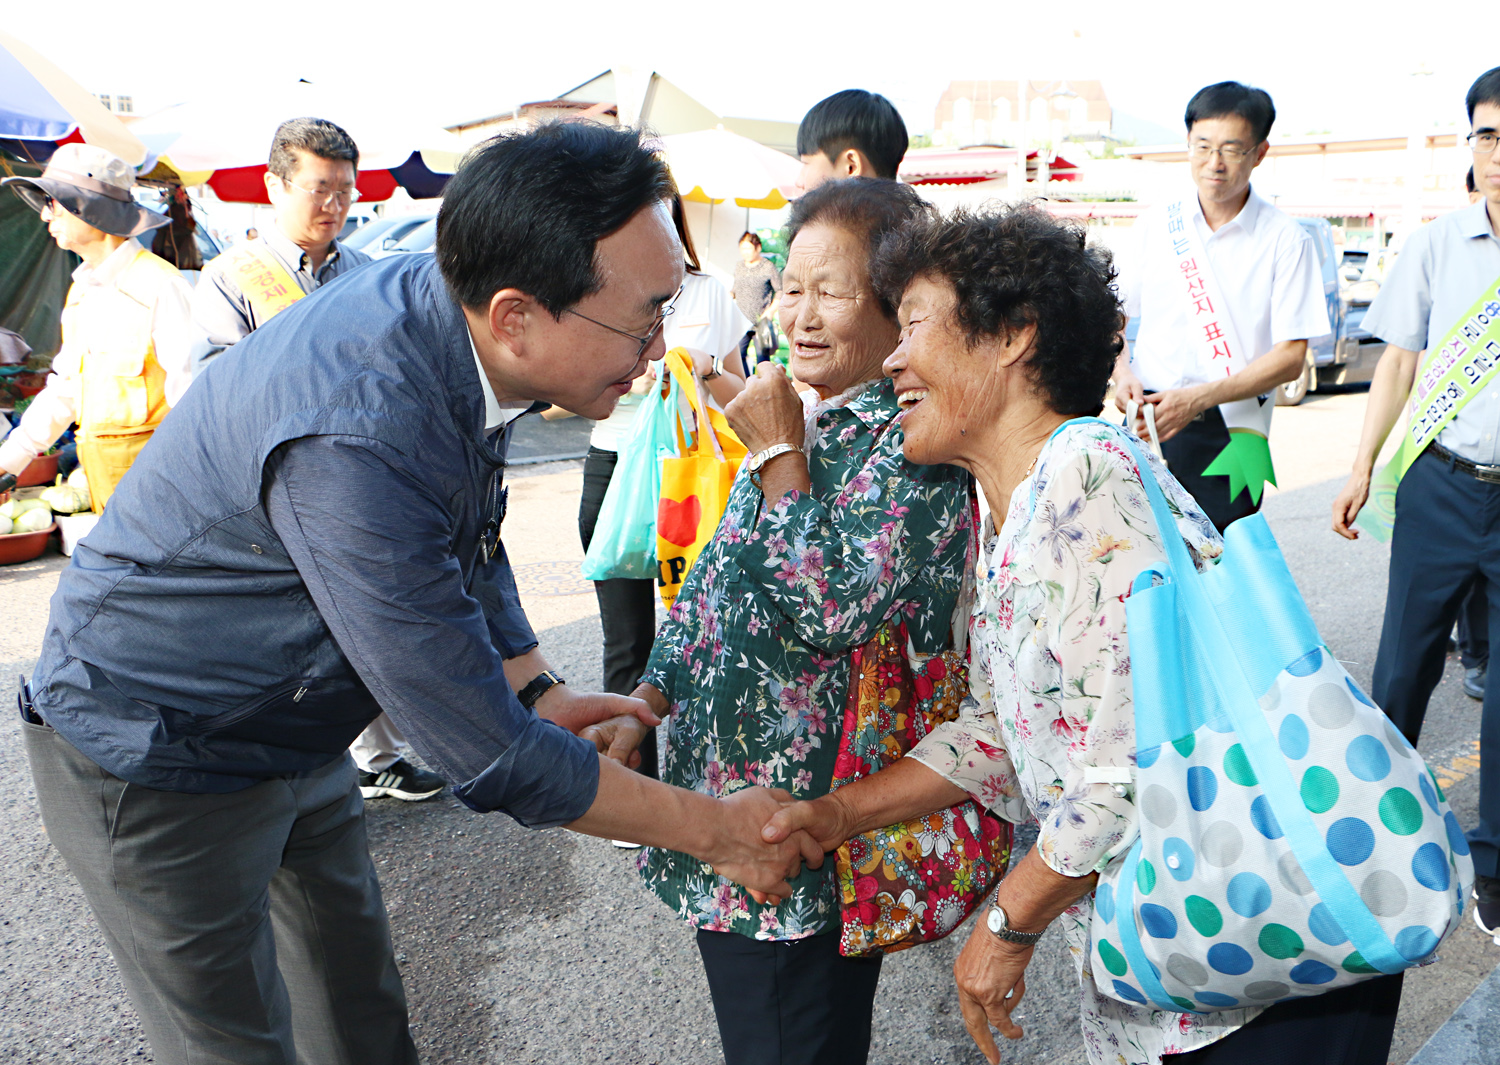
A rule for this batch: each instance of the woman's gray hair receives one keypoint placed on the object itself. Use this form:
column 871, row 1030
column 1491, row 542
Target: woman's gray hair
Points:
column 869, row 208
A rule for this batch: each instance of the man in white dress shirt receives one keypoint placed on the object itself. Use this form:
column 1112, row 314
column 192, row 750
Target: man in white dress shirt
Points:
column 1228, row 290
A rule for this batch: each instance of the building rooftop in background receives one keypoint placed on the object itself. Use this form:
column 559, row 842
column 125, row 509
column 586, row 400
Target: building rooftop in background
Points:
column 646, row 98
column 119, row 103
column 988, row 112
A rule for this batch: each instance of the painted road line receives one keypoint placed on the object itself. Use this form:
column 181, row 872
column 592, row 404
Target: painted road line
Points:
column 1458, row 767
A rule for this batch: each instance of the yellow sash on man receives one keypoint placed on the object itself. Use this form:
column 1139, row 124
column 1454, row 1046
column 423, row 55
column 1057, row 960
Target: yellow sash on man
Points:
column 262, row 279
column 1455, row 372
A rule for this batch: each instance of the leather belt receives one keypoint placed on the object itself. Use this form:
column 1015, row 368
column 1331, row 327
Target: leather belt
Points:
column 1476, row 470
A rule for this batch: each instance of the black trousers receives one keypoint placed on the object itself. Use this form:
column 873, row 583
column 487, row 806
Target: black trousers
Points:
column 1190, row 452
column 1350, row 1026
column 627, row 608
column 745, row 342
column 1445, row 542
column 793, row 1002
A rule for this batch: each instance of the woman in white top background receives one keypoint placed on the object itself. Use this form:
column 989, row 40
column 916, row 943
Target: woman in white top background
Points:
column 706, row 321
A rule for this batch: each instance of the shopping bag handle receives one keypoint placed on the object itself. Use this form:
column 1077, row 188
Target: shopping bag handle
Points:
column 700, row 411
column 1147, row 411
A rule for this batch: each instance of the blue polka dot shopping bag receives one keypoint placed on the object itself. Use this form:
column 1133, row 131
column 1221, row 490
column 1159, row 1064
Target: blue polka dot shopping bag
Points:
column 1291, row 840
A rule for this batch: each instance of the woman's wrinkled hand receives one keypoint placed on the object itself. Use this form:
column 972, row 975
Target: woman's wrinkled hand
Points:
column 825, row 819
column 618, row 738
column 991, row 977
column 768, row 411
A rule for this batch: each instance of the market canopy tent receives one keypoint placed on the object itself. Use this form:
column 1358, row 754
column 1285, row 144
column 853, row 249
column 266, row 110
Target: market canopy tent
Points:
column 222, row 140
column 40, row 107
column 714, row 165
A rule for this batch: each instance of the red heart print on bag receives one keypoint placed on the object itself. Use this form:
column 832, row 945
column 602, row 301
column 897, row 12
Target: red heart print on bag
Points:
column 677, row 520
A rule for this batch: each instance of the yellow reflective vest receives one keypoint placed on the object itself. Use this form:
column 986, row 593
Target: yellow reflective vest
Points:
column 122, row 397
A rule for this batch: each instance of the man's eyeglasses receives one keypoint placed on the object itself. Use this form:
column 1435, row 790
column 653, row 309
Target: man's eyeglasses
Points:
column 1201, row 150
column 324, row 199
column 1483, row 143
column 645, row 341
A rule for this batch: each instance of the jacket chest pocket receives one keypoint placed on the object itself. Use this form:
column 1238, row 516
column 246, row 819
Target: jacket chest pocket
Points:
column 115, row 388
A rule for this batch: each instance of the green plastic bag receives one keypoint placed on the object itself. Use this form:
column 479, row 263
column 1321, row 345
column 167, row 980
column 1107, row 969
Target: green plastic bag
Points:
column 624, row 543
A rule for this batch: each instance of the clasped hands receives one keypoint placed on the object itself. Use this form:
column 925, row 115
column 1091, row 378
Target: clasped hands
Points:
column 757, row 827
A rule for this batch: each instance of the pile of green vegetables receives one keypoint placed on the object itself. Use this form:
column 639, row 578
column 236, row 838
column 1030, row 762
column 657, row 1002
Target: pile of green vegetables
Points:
column 21, row 516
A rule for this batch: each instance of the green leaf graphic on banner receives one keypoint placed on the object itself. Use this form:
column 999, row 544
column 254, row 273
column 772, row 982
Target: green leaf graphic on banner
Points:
column 1246, row 462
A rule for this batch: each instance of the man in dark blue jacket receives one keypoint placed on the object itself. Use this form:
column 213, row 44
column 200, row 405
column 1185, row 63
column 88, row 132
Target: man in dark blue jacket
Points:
column 312, row 538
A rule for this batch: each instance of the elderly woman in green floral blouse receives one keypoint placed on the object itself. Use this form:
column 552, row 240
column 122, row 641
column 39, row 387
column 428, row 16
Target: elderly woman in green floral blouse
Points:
column 834, row 534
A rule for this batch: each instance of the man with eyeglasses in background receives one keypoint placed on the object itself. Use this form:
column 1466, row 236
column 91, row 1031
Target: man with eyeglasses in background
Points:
column 1228, row 290
column 310, row 181
column 1438, row 499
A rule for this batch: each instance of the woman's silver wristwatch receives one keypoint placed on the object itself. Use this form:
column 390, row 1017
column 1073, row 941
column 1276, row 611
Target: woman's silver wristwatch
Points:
column 1000, row 925
column 760, row 458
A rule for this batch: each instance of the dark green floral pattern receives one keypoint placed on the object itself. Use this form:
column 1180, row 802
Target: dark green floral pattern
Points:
column 754, row 656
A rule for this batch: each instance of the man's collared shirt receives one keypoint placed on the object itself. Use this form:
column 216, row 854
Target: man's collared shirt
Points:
column 1438, row 276
column 496, row 414
column 56, row 406
column 1267, row 271
column 223, row 315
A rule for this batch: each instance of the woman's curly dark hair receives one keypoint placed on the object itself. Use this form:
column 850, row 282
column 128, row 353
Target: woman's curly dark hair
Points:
column 870, row 208
column 1012, row 266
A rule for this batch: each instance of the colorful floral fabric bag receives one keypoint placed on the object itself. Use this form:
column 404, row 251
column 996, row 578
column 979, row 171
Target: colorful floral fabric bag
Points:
column 1291, row 840
column 913, row 882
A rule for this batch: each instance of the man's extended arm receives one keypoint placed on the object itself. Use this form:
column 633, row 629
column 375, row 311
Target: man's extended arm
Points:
column 372, row 541
column 1388, row 391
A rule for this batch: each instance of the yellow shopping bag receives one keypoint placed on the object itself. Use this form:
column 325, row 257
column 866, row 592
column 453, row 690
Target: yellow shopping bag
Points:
column 694, row 486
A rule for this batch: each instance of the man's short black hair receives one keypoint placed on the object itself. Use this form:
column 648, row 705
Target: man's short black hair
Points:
column 316, row 136
column 526, row 210
column 856, row 119
column 1231, row 98
column 1485, row 90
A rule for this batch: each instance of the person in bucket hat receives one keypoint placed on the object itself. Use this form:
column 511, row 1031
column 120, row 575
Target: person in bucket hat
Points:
column 126, row 324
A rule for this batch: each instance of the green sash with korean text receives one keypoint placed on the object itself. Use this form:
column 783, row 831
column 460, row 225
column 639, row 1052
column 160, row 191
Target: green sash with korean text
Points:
column 1457, row 371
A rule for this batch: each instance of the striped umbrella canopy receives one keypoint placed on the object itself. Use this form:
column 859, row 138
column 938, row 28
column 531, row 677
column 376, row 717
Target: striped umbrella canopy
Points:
column 223, row 139
column 714, row 165
column 41, row 107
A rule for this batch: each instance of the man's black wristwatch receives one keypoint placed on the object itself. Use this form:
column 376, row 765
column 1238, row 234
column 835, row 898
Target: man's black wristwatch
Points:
column 540, row 685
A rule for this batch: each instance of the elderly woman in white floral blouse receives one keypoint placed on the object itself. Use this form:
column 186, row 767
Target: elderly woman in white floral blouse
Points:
column 1009, row 329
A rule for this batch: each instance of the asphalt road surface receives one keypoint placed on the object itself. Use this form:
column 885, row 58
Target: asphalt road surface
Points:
column 521, row 946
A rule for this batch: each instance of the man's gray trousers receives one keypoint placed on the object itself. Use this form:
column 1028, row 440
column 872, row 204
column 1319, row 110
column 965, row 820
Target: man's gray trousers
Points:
column 248, row 927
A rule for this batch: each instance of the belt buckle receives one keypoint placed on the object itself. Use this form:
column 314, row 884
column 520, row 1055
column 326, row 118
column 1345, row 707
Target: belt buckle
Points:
column 1487, row 474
